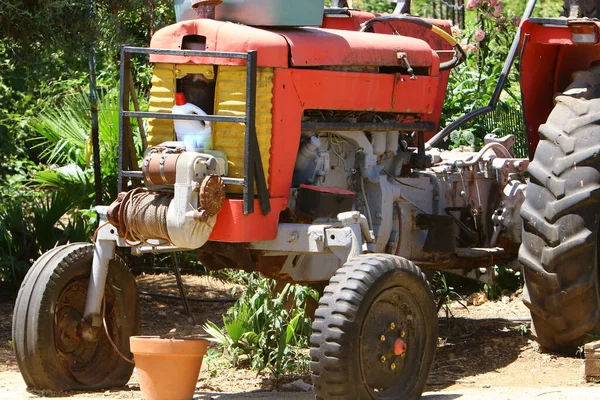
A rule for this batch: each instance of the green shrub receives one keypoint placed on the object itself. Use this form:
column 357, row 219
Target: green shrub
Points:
column 267, row 328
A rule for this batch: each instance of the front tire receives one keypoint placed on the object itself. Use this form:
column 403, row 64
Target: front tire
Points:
column 375, row 331
column 49, row 347
column 561, row 216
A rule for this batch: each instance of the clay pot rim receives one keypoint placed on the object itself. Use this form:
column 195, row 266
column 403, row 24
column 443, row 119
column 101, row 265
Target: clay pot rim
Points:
column 193, row 347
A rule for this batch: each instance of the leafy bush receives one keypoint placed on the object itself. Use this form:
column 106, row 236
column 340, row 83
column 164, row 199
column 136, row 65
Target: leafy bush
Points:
column 44, row 49
column 42, row 207
column 487, row 40
column 267, row 328
column 509, row 280
column 65, row 143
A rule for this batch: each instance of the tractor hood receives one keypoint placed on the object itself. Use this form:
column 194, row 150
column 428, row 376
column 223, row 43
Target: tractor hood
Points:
column 291, row 47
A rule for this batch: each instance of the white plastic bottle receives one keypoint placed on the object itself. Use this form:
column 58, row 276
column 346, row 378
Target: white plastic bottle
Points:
column 196, row 135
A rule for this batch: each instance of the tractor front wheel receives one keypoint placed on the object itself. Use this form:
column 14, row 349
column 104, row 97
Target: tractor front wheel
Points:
column 375, row 331
column 55, row 348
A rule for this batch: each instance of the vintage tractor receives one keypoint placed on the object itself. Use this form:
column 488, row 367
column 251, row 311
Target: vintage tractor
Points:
column 323, row 169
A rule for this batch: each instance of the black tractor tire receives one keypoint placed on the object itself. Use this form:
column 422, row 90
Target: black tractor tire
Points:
column 561, row 216
column 377, row 311
column 46, row 333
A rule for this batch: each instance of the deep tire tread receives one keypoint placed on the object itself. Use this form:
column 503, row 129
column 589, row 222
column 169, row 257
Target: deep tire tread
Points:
column 31, row 319
column 338, row 309
column 561, row 218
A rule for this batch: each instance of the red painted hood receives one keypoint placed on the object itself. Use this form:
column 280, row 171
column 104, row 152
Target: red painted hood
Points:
column 333, row 47
column 293, row 47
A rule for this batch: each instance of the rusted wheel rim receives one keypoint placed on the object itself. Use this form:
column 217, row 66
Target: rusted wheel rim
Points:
column 87, row 360
column 212, row 194
column 392, row 342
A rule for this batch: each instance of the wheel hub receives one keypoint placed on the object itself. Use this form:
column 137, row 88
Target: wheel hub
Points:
column 68, row 327
column 390, row 342
column 392, row 347
column 78, row 344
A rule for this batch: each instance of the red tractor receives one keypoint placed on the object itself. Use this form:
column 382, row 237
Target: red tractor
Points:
column 321, row 168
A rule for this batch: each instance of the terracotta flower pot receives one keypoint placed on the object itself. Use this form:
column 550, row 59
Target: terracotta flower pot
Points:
column 168, row 369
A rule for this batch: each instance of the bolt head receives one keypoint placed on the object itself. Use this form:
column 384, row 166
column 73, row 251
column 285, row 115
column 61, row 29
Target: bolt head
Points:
column 392, row 326
column 382, row 338
column 393, row 367
column 403, row 333
column 383, row 359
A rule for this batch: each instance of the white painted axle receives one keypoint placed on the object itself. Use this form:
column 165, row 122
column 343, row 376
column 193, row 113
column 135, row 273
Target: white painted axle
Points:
column 104, row 251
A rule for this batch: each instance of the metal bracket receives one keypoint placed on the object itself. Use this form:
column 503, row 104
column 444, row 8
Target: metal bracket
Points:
column 403, row 60
column 344, row 241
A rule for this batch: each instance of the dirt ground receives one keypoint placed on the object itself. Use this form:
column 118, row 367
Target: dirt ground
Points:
column 483, row 346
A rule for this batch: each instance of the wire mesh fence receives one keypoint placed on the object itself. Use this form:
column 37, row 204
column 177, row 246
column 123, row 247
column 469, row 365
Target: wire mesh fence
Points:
column 508, row 121
column 454, row 10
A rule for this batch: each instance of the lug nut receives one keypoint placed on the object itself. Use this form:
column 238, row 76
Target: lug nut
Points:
column 392, row 326
column 383, row 359
column 382, row 338
column 403, row 334
column 393, row 367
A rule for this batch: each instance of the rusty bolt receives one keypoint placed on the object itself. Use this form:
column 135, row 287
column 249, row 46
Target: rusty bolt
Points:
column 393, row 367
column 383, row 359
column 382, row 338
column 392, row 326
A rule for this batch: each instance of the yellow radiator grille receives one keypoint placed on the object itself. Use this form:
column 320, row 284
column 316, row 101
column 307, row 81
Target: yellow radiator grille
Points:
column 230, row 100
column 162, row 96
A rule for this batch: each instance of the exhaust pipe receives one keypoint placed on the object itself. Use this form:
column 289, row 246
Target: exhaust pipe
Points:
column 205, row 8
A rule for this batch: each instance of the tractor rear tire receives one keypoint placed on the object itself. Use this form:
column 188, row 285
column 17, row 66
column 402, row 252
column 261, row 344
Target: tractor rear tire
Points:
column 561, row 217
column 375, row 331
column 49, row 347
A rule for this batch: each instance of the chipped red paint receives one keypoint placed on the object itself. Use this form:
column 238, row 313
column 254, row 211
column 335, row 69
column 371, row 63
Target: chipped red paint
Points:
column 331, row 47
column 272, row 49
column 300, row 83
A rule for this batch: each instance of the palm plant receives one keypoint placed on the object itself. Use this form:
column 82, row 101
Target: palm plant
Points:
column 58, row 210
column 65, row 140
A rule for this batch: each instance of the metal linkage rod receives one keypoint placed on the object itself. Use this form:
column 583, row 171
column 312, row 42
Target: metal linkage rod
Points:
column 185, row 117
column 185, row 53
column 512, row 54
column 369, row 126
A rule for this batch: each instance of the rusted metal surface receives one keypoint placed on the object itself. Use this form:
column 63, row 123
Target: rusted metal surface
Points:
column 159, row 167
column 219, row 255
column 212, row 194
column 271, row 267
column 83, row 350
column 140, row 214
